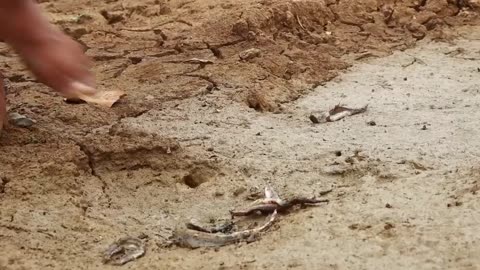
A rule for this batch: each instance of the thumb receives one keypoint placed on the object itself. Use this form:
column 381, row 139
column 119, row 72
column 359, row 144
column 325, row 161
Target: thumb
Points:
column 77, row 89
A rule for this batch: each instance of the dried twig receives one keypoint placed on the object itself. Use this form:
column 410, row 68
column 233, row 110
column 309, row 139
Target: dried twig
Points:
column 203, row 77
column 300, row 23
column 193, row 61
column 156, row 27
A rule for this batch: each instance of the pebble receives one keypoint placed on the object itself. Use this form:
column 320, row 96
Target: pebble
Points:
column 20, row 120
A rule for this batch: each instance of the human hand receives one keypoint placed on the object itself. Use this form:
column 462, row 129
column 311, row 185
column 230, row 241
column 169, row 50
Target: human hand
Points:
column 53, row 57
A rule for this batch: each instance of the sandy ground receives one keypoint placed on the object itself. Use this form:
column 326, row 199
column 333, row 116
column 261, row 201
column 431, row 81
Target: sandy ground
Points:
column 405, row 190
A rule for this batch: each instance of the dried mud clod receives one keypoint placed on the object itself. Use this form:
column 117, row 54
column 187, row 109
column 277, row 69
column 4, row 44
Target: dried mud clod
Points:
column 112, row 18
column 250, row 54
column 258, row 101
column 124, row 250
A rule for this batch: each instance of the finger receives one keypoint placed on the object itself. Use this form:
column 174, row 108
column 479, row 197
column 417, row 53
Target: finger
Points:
column 62, row 71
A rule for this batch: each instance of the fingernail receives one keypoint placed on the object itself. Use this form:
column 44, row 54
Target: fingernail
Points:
column 79, row 87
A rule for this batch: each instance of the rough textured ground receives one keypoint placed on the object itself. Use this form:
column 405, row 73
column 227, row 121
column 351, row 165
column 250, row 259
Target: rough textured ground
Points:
column 404, row 190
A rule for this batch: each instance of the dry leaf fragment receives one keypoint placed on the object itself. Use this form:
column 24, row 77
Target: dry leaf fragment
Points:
column 90, row 95
column 103, row 98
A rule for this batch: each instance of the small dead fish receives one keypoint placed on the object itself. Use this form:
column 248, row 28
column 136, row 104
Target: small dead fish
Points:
column 20, row 120
column 269, row 207
column 337, row 113
column 124, row 250
column 196, row 239
column 273, row 203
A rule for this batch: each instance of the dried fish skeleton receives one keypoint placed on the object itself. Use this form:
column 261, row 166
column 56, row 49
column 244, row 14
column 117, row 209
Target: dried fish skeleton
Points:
column 222, row 228
column 337, row 113
column 124, row 250
column 273, row 203
column 199, row 238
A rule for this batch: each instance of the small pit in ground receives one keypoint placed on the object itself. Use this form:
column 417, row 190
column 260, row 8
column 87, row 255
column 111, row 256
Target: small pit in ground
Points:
column 198, row 176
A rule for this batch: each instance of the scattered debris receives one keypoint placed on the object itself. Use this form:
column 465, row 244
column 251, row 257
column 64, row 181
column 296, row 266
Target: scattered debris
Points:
column 414, row 60
column 193, row 61
column 388, row 226
column 418, row 166
column 250, row 54
column 455, row 52
column 195, row 239
column 215, row 51
column 112, row 18
column 325, row 192
column 3, row 182
column 273, row 203
column 20, row 120
column 456, row 203
column 366, row 55
column 218, row 193
column 124, row 250
column 202, row 63
column 337, row 113
column 207, row 78
column 239, row 191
